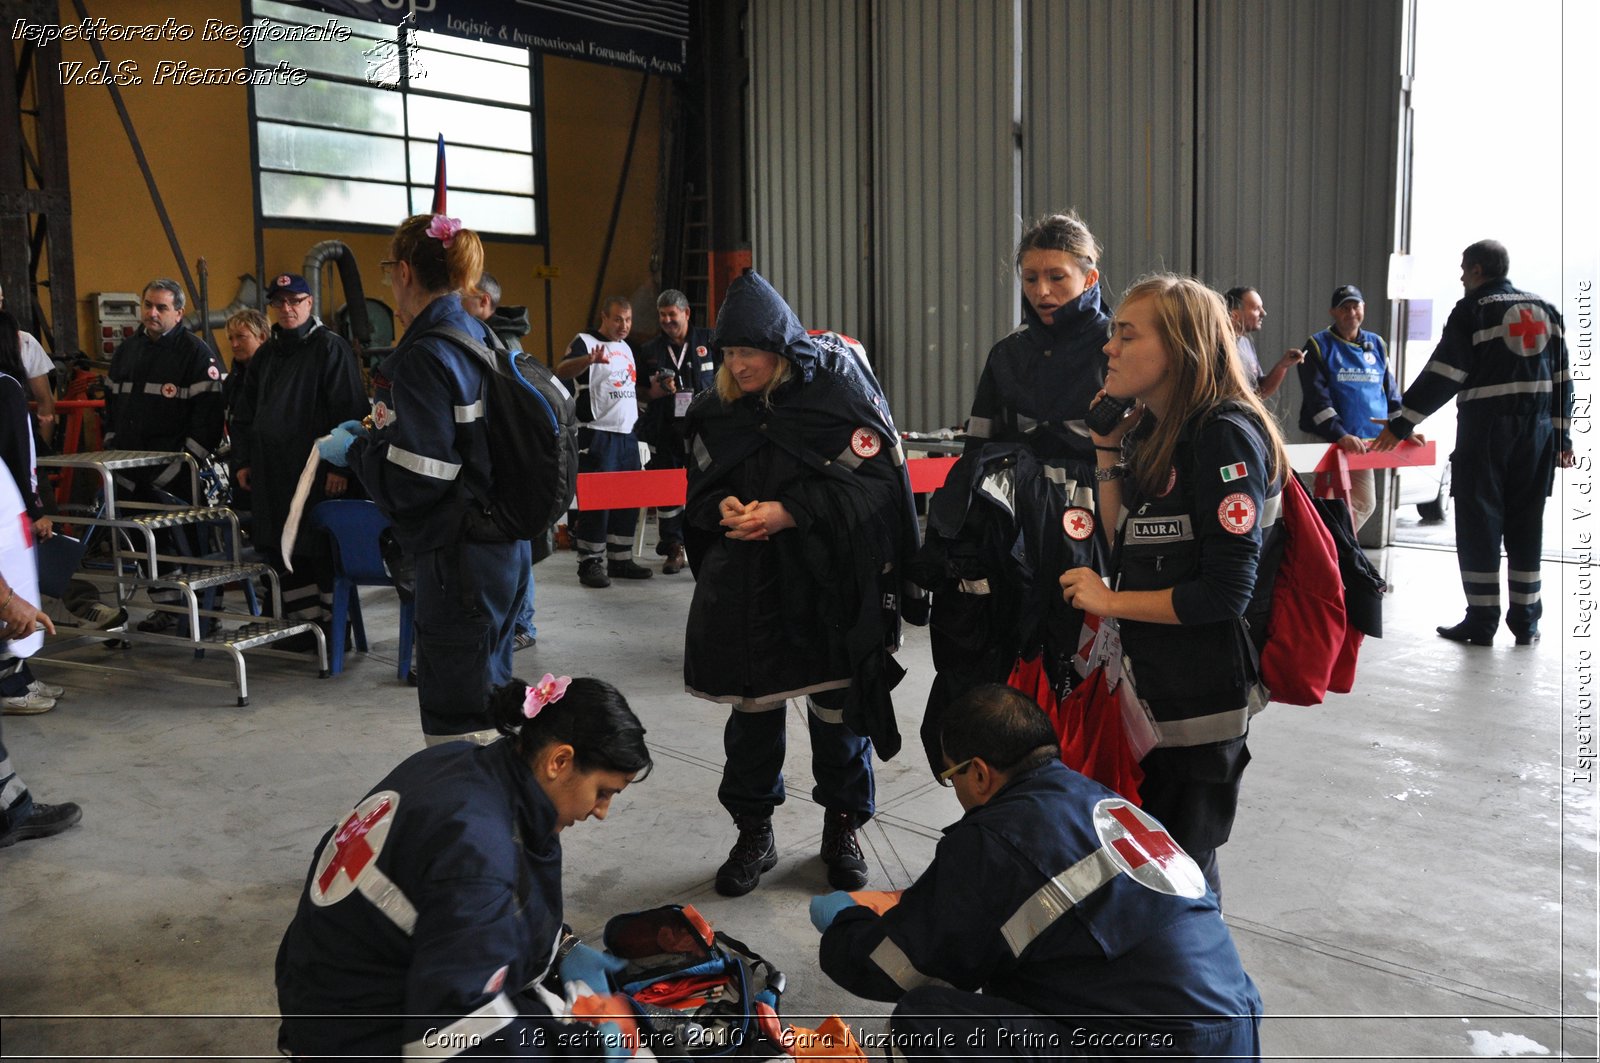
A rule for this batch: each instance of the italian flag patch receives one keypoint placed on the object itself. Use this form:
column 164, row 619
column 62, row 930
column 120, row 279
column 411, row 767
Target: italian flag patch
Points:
column 1233, row 472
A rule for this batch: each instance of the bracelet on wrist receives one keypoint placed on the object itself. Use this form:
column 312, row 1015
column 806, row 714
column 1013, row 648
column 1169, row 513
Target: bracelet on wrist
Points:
column 1112, row 450
column 1106, row 473
column 11, row 592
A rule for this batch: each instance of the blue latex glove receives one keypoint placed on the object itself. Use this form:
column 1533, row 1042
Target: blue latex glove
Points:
column 826, row 908
column 611, row 1040
column 335, row 449
column 585, row 964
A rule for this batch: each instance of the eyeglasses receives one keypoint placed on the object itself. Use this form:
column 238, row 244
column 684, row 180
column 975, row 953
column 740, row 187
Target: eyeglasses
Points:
column 287, row 300
column 948, row 776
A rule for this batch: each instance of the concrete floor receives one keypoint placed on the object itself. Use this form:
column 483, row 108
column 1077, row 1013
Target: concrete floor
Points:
column 1412, row 874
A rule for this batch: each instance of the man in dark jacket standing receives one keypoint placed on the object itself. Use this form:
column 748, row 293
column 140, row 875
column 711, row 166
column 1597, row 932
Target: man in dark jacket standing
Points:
column 1504, row 358
column 679, row 364
column 302, row 382
column 1057, row 919
column 164, row 392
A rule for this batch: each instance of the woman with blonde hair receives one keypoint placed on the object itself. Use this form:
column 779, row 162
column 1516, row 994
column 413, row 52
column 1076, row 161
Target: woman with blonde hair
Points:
column 798, row 522
column 1188, row 497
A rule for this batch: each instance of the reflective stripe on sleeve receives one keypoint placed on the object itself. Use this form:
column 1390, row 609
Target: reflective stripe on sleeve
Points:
column 1056, row 897
column 1445, row 370
column 433, row 467
column 849, row 459
column 465, row 1032
column 1561, row 376
column 1271, row 510
column 1324, row 415
column 1494, row 391
column 388, row 898
column 1411, row 417
column 893, row 961
column 468, row 414
column 980, row 427
column 702, row 456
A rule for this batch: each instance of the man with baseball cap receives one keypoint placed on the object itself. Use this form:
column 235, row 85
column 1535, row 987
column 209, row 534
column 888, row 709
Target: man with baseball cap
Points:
column 1348, row 392
column 303, row 382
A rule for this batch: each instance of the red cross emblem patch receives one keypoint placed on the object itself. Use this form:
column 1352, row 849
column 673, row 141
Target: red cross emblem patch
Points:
column 1237, row 513
column 382, row 416
column 864, row 443
column 1078, row 523
column 1144, row 851
column 353, row 848
column 282, row 281
column 169, row 391
column 213, row 372
column 1527, row 329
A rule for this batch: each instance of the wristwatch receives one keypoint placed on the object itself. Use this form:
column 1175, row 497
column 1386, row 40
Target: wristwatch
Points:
column 1110, row 472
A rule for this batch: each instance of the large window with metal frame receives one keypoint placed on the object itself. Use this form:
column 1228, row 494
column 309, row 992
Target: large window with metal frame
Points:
column 354, row 143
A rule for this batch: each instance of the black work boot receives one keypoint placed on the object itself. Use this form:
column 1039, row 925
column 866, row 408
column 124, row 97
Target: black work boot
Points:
column 44, row 821
column 592, row 573
column 755, row 851
column 1476, row 630
column 847, row 868
column 627, row 568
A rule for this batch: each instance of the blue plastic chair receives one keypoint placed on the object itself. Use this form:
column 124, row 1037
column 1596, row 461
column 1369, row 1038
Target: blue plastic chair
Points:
column 353, row 526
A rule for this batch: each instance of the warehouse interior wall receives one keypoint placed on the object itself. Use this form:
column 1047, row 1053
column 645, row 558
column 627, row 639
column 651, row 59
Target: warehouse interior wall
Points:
column 1244, row 141
column 197, row 140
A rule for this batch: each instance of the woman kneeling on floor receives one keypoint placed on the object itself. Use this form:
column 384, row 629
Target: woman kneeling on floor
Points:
column 432, row 913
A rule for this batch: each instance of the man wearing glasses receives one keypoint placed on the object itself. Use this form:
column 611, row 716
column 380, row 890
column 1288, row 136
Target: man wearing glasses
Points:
column 163, row 392
column 302, row 382
column 1052, row 896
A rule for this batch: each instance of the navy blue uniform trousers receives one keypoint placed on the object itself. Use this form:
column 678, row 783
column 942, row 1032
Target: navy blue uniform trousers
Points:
column 1500, row 476
column 468, row 595
column 841, row 761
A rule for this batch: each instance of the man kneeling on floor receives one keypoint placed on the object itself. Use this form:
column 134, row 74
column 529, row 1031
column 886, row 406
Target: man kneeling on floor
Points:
column 1050, row 896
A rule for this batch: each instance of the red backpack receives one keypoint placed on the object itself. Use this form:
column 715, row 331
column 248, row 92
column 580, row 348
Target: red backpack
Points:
column 1306, row 644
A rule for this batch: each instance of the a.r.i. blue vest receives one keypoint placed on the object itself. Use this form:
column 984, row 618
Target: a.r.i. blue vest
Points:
column 1355, row 380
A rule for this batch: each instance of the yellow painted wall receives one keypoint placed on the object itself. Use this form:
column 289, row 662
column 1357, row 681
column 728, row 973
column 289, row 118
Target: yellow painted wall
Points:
column 197, row 141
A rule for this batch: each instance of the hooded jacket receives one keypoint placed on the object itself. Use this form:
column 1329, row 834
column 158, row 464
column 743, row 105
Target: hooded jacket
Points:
column 1039, row 381
column 818, row 606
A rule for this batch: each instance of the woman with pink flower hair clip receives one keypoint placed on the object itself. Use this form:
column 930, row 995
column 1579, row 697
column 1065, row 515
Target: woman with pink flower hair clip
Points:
column 426, row 461
column 433, row 912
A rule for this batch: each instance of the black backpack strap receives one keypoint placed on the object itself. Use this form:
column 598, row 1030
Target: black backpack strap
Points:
column 463, row 340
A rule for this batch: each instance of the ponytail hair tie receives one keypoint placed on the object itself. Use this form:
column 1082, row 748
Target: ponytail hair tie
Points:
column 546, row 691
column 444, row 229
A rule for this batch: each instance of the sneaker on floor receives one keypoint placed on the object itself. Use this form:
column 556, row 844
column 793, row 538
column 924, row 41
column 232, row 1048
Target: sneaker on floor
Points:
column 847, row 868
column 29, row 704
column 676, row 561
column 627, row 569
column 755, row 851
column 158, row 624
column 524, row 640
column 592, row 573
column 46, row 690
column 95, row 615
column 45, row 821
